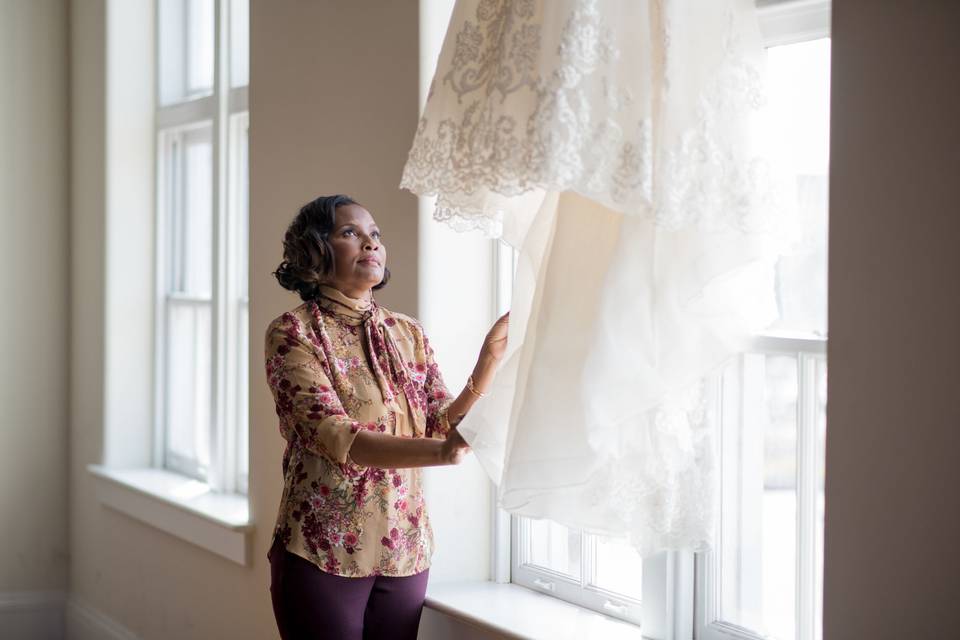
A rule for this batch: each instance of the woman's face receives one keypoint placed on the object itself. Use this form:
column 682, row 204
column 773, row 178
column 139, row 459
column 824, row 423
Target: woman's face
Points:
column 359, row 256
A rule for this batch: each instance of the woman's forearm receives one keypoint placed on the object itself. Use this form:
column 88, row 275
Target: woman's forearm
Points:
column 483, row 374
column 372, row 449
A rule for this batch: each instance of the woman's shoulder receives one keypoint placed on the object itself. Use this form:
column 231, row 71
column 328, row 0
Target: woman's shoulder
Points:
column 402, row 320
column 405, row 327
column 292, row 322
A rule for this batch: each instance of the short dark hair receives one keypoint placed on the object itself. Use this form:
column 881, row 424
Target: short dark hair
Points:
column 307, row 254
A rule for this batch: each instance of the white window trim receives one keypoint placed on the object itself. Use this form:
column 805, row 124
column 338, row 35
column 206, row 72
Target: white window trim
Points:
column 782, row 22
column 175, row 503
column 179, row 505
column 514, row 611
column 217, row 109
column 673, row 600
column 791, row 21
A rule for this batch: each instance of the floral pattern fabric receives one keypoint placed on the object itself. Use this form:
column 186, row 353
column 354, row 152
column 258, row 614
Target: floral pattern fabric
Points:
column 336, row 366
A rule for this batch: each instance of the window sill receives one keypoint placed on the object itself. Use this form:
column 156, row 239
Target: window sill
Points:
column 179, row 505
column 518, row 612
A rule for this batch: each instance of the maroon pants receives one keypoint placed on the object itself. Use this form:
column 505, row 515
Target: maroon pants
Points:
column 310, row 604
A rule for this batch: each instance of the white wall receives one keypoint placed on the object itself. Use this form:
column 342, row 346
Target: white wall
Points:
column 34, row 324
column 892, row 549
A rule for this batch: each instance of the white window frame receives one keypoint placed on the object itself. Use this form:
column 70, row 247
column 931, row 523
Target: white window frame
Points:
column 782, row 22
column 674, row 603
column 808, row 351
column 224, row 108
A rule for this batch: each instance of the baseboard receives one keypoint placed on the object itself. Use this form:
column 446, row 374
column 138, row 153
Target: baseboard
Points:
column 32, row 615
column 83, row 622
column 50, row 615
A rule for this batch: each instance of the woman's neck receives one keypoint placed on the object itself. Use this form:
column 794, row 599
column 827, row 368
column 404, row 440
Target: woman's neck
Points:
column 357, row 293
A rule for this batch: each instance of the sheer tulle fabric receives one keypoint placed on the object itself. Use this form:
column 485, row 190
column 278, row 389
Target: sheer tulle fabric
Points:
column 609, row 142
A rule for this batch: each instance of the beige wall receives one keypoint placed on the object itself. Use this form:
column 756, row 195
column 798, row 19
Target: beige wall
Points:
column 892, row 551
column 333, row 105
column 151, row 584
column 34, row 324
column 333, row 109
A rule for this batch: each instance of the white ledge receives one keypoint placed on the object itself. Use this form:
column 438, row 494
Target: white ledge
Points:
column 181, row 506
column 518, row 612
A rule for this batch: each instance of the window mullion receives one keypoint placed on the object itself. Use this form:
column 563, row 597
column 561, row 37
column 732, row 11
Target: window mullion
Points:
column 588, row 556
column 218, row 478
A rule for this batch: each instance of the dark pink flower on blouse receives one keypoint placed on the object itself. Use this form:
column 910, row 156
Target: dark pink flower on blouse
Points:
column 331, row 564
column 394, row 533
column 397, row 480
column 324, row 490
column 387, row 542
column 350, row 539
column 389, row 322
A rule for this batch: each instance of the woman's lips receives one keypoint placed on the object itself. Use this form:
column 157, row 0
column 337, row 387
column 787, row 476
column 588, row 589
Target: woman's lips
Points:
column 370, row 261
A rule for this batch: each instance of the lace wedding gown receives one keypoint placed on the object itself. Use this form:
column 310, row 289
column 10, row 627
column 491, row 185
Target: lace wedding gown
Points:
column 611, row 143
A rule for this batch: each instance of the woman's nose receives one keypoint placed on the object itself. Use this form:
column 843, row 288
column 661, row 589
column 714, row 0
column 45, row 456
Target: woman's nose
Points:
column 370, row 243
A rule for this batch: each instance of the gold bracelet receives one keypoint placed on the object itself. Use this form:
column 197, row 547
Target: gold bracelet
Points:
column 472, row 389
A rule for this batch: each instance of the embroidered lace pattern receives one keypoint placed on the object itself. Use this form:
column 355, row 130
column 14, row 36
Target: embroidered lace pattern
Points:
column 514, row 108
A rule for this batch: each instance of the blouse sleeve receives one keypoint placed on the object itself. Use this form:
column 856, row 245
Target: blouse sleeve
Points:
column 439, row 398
column 306, row 402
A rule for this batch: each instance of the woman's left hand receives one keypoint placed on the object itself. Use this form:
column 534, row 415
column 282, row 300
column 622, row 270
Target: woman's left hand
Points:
column 454, row 448
column 495, row 343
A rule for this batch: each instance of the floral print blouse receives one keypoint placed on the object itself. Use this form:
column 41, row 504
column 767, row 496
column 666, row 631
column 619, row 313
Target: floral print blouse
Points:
column 337, row 365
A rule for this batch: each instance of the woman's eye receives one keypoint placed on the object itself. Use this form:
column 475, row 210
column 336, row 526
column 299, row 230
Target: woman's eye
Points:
column 375, row 234
column 347, row 231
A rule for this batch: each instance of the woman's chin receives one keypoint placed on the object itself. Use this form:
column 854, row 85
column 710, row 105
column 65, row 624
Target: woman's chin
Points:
column 370, row 277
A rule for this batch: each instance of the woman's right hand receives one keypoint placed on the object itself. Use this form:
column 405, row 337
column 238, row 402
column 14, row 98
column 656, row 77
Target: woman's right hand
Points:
column 454, row 448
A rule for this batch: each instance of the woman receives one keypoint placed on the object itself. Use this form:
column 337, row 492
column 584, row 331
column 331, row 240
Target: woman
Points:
column 362, row 406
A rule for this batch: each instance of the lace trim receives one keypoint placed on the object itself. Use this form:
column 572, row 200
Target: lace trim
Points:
column 510, row 130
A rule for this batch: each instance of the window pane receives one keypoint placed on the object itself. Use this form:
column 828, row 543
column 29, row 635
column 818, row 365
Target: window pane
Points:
column 239, row 189
column 798, row 121
column 240, row 197
column 243, row 382
column 618, row 567
column 188, row 222
column 239, row 43
column 552, row 546
column 188, row 381
column 189, row 211
column 186, row 49
column 780, row 497
column 821, row 444
column 758, row 555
